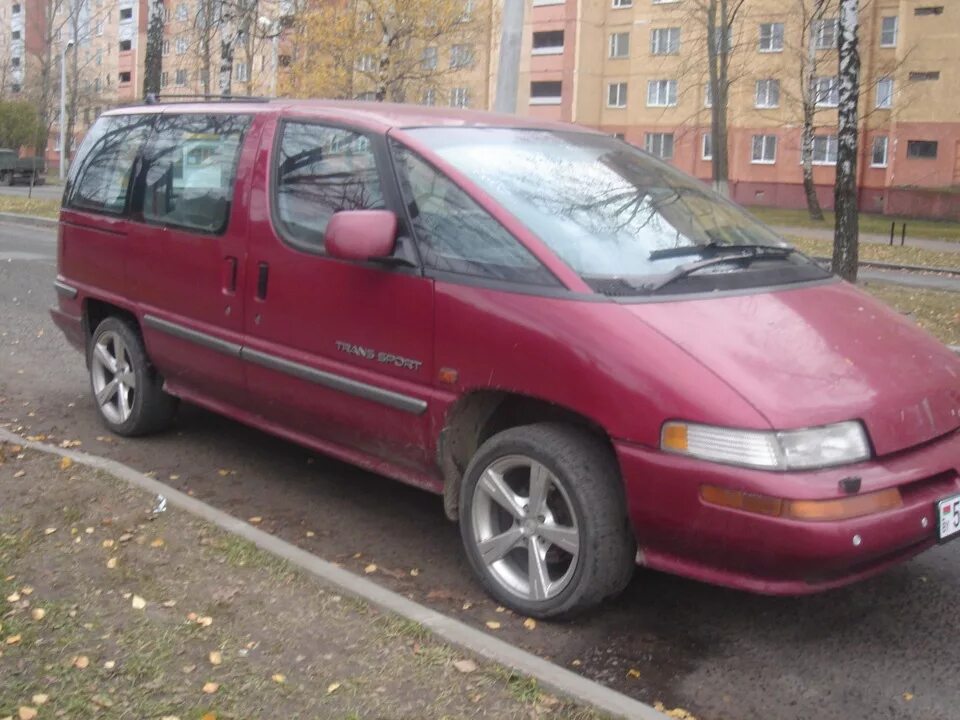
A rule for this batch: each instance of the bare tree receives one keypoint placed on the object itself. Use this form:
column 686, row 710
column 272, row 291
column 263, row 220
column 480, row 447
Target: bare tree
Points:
column 812, row 14
column 47, row 23
column 846, row 228
column 153, row 56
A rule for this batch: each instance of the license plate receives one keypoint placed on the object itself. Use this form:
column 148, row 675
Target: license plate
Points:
column 948, row 517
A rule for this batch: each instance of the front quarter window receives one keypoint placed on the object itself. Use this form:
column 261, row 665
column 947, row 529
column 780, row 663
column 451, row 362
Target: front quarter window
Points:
column 455, row 234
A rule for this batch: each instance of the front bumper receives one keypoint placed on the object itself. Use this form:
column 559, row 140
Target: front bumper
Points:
column 680, row 533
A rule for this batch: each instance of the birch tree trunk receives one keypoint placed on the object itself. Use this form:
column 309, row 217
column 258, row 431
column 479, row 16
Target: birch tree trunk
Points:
column 153, row 58
column 846, row 229
column 718, row 66
column 809, row 100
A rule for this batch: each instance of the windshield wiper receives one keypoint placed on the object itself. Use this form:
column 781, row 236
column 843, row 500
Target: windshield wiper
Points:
column 715, row 248
column 684, row 270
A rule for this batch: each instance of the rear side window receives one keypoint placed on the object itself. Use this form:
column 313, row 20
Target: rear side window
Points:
column 190, row 165
column 322, row 170
column 457, row 235
column 105, row 163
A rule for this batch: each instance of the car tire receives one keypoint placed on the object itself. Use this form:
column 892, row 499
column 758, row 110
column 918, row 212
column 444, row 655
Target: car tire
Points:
column 579, row 533
column 126, row 388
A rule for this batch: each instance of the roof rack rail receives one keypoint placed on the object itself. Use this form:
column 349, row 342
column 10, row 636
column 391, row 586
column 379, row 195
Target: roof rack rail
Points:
column 155, row 98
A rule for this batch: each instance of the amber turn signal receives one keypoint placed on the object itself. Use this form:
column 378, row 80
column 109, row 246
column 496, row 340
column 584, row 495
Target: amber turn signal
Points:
column 807, row 510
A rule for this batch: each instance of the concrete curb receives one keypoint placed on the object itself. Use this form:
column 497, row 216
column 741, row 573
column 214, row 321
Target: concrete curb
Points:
column 28, row 220
column 453, row 631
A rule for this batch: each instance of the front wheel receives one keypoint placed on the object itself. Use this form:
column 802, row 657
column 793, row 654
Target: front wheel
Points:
column 127, row 390
column 543, row 520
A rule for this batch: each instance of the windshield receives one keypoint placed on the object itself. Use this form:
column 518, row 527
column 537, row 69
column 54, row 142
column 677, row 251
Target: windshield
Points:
column 610, row 211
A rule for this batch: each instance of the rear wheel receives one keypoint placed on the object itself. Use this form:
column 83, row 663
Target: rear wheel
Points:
column 543, row 520
column 8, row 179
column 126, row 388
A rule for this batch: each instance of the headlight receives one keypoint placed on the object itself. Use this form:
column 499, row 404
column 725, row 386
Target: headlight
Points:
column 818, row 447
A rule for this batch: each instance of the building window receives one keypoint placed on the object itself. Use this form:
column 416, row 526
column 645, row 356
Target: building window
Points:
column 99, row 29
column 878, row 152
column 771, row 37
column 428, row 60
column 240, row 72
column 665, row 41
column 659, row 144
column 124, row 77
column 926, row 149
column 617, row 95
column 764, row 149
column 15, row 88
column 826, row 91
column 181, row 77
column 166, row 47
column 768, row 93
column 706, row 146
column 825, row 150
column 182, row 12
column 885, row 93
column 708, row 95
column 622, row 3
column 546, row 92
column 888, row 31
column 164, row 79
column 126, row 14
column 620, row 45
column 825, row 34
column 918, row 76
column 461, row 56
column 549, row 42
column 366, row 63
column 430, row 97
column 460, row 97
column 929, row 10
column 15, row 10
column 661, row 93
column 126, row 45
column 15, row 62
column 181, row 45
column 16, row 34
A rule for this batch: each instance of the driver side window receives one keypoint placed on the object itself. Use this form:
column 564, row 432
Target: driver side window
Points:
column 455, row 234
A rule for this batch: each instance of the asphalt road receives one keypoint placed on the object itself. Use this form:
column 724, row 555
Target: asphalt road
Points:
column 843, row 655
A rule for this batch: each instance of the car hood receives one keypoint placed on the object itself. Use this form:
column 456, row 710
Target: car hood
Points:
column 819, row 354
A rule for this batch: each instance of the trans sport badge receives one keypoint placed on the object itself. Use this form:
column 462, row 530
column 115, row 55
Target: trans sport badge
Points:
column 381, row 357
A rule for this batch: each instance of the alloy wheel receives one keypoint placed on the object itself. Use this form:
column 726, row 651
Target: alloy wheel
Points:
column 114, row 379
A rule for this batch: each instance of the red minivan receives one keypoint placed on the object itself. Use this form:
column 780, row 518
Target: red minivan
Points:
column 596, row 361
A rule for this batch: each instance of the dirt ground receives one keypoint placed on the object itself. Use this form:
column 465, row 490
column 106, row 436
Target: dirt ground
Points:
column 111, row 608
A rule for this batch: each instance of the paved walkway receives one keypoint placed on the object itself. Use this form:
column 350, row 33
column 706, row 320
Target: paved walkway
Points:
column 928, row 281
column 946, row 246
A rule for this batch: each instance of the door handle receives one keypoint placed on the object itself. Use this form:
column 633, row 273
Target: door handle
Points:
column 230, row 274
column 262, row 272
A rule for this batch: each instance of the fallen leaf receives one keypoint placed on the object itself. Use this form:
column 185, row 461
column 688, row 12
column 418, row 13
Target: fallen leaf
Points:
column 371, row 568
column 112, row 563
column 415, row 572
column 81, row 661
column 332, row 688
column 493, row 624
column 256, row 520
column 25, row 712
column 126, row 537
column 216, row 657
column 110, row 664
column 70, row 443
column 530, row 624
column 222, row 472
column 205, row 621
column 13, row 597
column 40, row 698
column 171, row 717
column 211, row 687
column 13, row 640
column 138, row 603
column 466, row 606
column 19, row 474
column 500, row 609
column 65, row 463
column 101, row 701
column 465, row 666
column 279, row 678
column 88, row 530
column 633, row 673
column 908, row 696
column 26, row 590
column 209, row 716
column 168, row 603
column 38, row 613
column 309, row 533
column 49, row 531
column 158, row 542
column 187, row 669
column 174, row 477
column 107, row 543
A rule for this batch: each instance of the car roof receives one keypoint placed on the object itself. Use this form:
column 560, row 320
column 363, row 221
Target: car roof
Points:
column 372, row 115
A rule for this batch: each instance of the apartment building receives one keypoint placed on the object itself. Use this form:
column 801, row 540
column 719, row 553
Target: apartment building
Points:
column 638, row 68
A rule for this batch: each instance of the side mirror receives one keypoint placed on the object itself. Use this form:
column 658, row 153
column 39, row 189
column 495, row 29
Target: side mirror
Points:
column 361, row 234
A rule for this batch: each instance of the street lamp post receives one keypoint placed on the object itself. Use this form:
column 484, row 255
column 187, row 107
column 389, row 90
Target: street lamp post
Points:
column 63, row 107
